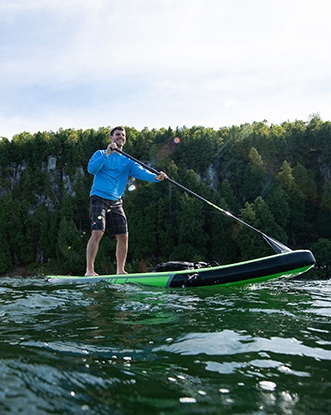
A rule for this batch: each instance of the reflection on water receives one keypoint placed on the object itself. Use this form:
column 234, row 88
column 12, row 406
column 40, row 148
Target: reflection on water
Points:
column 100, row 349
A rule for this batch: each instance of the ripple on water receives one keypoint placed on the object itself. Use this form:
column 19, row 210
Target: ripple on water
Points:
column 101, row 349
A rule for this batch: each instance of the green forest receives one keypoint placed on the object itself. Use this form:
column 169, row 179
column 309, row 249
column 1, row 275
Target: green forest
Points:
column 276, row 178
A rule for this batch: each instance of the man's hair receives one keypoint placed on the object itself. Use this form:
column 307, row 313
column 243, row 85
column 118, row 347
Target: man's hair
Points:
column 117, row 128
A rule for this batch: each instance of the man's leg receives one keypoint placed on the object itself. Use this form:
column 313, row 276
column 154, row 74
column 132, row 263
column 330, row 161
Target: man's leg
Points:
column 121, row 252
column 92, row 250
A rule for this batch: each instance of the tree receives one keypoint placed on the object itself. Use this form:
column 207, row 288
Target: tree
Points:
column 322, row 250
column 70, row 250
column 258, row 215
column 5, row 257
column 305, row 182
column 5, row 252
column 285, row 176
column 192, row 238
column 278, row 203
column 255, row 176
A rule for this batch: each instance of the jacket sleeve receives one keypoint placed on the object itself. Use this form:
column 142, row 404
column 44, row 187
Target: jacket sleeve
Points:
column 140, row 173
column 96, row 162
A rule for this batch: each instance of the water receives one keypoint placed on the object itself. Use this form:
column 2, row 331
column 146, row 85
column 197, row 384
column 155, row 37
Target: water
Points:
column 100, row 349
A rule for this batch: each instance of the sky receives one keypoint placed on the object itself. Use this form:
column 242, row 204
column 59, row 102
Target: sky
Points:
column 85, row 64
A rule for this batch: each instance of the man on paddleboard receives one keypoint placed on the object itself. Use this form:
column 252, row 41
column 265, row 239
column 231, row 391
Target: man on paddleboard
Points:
column 111, row 171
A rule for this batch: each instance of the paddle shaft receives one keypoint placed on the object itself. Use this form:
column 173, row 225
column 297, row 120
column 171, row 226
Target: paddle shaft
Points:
column 276, row 245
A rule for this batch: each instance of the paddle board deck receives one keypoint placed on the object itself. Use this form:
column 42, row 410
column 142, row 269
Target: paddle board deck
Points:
column 288, row 264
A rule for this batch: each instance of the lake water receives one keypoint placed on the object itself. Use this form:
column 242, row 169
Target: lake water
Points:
column 101, row 349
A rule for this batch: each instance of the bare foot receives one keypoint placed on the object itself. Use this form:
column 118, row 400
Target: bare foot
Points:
column 122, row 272
column 91, row 274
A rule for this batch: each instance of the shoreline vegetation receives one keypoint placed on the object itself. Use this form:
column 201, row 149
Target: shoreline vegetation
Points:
column 275, row 177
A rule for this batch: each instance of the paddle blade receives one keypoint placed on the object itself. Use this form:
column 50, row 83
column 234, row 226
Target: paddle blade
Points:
column 276, row 245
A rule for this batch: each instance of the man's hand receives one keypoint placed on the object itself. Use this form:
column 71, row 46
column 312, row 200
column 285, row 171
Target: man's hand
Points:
column 161, row 176
column 110, row 148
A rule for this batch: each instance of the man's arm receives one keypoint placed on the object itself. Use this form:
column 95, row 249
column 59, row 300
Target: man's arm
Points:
column 141, row 173
column 96, row 162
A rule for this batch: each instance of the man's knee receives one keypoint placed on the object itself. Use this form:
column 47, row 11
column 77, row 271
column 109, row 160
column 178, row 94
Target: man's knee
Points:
column 123, row 237
column 97, row 235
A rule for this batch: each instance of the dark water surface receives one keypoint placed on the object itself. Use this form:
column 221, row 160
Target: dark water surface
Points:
column 100, row 349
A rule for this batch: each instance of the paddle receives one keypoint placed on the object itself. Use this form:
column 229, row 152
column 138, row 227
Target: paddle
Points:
column 276, row 245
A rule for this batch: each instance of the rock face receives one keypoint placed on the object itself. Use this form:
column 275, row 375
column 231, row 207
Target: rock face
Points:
column 326, row 173
column 48, row 185
column 51, row 165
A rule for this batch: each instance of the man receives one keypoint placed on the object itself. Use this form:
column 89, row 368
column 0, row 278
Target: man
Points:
column 111, row 171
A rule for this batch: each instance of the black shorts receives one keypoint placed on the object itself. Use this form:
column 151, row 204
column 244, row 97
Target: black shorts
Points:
column 108, row 215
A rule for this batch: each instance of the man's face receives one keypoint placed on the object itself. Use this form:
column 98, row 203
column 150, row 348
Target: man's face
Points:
column 118, row 137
